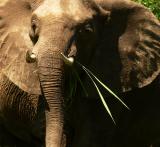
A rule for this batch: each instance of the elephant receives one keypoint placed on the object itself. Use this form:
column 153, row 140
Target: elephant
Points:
column 40, row 44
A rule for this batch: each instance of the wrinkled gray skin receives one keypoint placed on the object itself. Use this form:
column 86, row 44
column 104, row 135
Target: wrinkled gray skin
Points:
column 118, row 39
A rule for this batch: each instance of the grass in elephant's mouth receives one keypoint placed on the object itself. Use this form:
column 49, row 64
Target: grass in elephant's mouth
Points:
column 94, row 79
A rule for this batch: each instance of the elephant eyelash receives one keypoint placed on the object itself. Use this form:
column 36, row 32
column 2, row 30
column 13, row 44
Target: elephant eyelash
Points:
column 86, row 27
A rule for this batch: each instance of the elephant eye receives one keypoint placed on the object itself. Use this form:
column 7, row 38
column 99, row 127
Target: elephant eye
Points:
column 86, row 32
column 86, row 28
column 34, row 30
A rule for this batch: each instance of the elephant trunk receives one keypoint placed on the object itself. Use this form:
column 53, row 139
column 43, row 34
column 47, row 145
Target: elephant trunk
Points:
column 51, row 71
column 51, row 79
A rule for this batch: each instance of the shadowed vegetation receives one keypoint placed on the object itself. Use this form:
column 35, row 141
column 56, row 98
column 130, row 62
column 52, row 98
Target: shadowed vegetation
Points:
column 153, row 5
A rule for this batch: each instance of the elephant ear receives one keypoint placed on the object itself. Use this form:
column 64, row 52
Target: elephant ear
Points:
column 14, row 42
column 136, row 34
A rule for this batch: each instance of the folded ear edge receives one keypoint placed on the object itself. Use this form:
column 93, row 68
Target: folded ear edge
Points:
column 143, row 17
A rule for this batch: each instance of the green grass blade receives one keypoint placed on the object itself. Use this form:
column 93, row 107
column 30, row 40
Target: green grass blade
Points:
column 100, row 95
column 78, row 78
column 72, row 84
column 108, row 89
column 71, row 90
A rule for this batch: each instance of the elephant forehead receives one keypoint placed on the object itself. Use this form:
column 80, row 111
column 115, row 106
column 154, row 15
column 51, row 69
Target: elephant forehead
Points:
column 57, row 8
column 49, row 7
column 3, row 2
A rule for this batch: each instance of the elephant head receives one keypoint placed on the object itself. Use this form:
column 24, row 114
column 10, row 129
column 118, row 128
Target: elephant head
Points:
column 119, row 37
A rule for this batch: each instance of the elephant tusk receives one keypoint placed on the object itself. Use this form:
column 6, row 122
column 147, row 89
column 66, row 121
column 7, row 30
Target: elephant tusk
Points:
column 67, row 60
column 30, row 57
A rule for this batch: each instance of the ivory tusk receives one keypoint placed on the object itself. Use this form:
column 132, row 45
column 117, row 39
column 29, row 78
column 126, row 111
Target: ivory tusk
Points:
column 67, row 60
column 30, row 57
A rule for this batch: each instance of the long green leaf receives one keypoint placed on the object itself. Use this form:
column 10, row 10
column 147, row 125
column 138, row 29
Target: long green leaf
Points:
column 72, row 84
column 100, row 95
column 108, row 89
column 77, row 76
